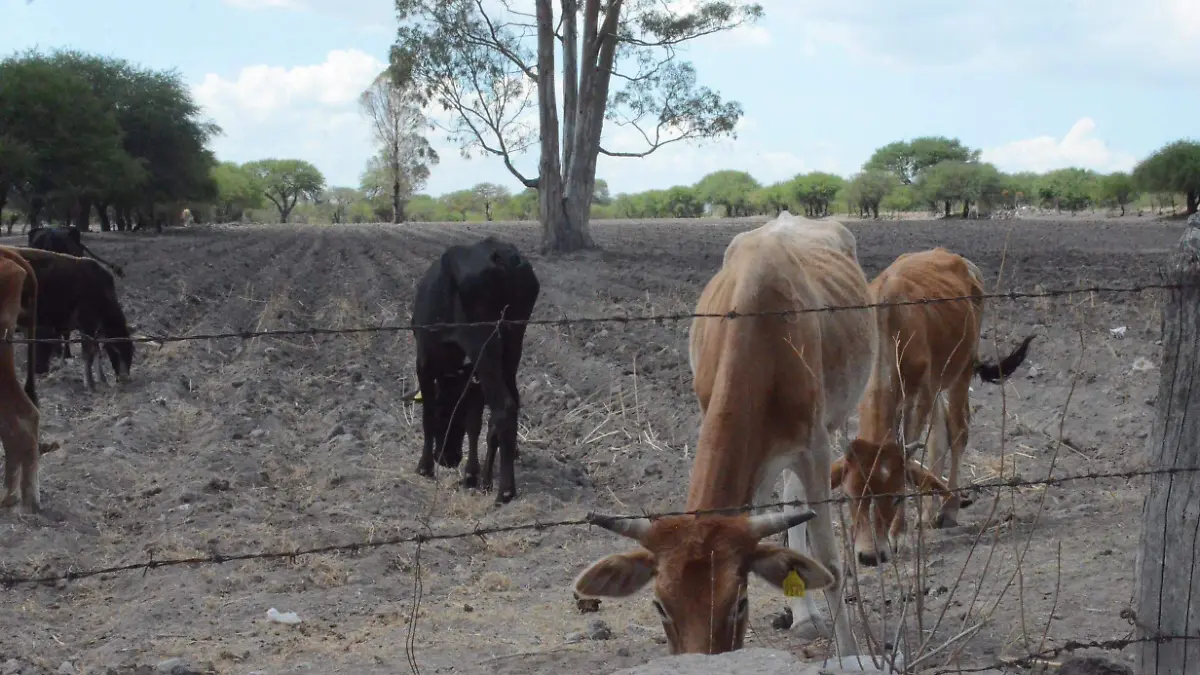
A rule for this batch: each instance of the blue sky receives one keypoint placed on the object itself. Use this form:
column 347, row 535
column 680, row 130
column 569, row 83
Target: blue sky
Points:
column 1037, row 85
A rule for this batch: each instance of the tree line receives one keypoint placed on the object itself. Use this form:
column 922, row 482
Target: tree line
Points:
column 83, row 134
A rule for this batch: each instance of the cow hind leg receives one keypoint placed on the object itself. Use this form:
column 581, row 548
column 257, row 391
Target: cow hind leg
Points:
column 429, row 424
column 18, row 433
column 958, row 415
column 502, row 438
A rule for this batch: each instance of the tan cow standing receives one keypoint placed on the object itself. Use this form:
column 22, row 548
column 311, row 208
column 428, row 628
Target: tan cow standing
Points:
column 926, row 353
column 772, row 390
column 19, row 414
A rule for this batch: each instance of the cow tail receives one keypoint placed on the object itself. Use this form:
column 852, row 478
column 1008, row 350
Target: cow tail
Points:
column 993, row 373
column 115, row 268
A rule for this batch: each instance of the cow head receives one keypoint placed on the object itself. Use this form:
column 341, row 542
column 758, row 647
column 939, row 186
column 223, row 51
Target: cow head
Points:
column 120, row 355
column 700, row 566
column 873, row 476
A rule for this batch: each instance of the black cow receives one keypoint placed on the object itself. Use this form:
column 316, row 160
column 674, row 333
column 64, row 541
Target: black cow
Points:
column 66, row 240
column 78, row 294
column 460, row 369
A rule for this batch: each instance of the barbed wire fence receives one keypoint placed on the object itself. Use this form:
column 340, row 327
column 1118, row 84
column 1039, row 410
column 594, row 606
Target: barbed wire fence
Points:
column 425, row 534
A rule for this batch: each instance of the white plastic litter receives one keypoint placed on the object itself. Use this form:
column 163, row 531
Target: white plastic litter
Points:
column 282, row 617
column 1118, row 332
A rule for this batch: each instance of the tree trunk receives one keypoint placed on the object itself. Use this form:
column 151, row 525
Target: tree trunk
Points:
column 83, row 212
column 1193, row 201
column 36, row 205
column 966, row 208
column 102, row 216
column 1122, row 209
column 947, row 214
column 875, row 208
column 397, row 209
column 1166, row 575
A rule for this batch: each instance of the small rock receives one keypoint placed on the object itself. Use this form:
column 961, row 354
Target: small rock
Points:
column 574, row 637
column 168, row 666
column 258, row 433
column 598, row 630
column 623, row 652
column 67, row 668
column 468, row 608
column 217, row 485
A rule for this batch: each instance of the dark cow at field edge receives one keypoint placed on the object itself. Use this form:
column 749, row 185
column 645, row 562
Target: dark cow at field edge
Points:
column 79, row 294
column 461, row 368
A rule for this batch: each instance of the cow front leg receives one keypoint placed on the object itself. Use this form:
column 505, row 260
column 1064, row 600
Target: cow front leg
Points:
column 89, row 350
column 474, row 422
column 429, row 427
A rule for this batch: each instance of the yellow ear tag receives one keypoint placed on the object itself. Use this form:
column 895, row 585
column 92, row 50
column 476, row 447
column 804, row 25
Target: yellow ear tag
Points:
column 793, row 585
column 418, row 396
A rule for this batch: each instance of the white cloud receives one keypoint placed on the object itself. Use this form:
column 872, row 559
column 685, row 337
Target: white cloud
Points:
column 261, row 91
column 1078, row 148
column 306, row 111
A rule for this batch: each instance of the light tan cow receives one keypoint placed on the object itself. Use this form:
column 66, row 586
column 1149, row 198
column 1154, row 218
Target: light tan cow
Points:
column 19, row 414
column 772, row 390
column 926, row 357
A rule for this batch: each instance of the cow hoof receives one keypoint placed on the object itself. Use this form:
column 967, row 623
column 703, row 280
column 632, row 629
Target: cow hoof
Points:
column 470, row 481
column 964, row 503
column 944, row 521
column 8, row 501
column 783, row 620
column 425, row 470
column 506, row 496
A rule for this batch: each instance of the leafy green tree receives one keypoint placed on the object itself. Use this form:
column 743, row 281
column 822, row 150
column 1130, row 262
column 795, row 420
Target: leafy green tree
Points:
column 489, row 65
column 59, row 138
column 489, row 194
column 816, row 191
column 425, row 209
column 680, row 201
column 953, row 181
column 1118, row 188
column 1173, row 168
column 1072, row 189
column 237, row 191
column 396, row 111
column 341, row 200
column 728, row 189
column 868, row 188
column 460, row 203
column 286, row 181
column 907, row 159
column 602, row 197
column 161, row 129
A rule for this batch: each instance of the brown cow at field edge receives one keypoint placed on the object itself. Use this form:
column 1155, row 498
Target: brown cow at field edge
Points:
column 925, row 352
column 19, row 414
column 772, row 390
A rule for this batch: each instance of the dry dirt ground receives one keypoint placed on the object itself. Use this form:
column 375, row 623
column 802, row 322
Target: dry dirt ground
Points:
column 232, row 446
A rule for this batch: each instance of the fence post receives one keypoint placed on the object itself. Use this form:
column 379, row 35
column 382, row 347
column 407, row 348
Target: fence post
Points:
column 1167, row 596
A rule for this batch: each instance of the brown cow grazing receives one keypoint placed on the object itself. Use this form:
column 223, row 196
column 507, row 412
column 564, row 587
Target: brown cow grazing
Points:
column 925, row 352
column 19, row 414
column 772, row 389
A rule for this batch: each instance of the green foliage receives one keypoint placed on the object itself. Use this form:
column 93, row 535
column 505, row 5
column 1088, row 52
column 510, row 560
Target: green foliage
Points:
column 489, row 194
column 237, row 191
column 868, row 188
column 1175, row 168
column 907, row 159
column 1070, row 189
column 460, row 203
column 952, row 181
column 815, row 191
column 285, row 181
column 1118, row 189
column 83, row 131
column 730, row 190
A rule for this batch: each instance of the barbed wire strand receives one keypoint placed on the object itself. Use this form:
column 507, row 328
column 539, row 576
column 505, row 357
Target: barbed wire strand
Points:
column 9, row 579
column 576, row 321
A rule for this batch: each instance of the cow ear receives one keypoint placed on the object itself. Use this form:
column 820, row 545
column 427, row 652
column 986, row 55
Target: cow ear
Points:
column 775, row 563
column 617, row 576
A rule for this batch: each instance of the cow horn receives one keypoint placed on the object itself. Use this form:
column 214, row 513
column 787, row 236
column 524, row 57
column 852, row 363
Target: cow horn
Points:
column 634, row 528
column 767, row 524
